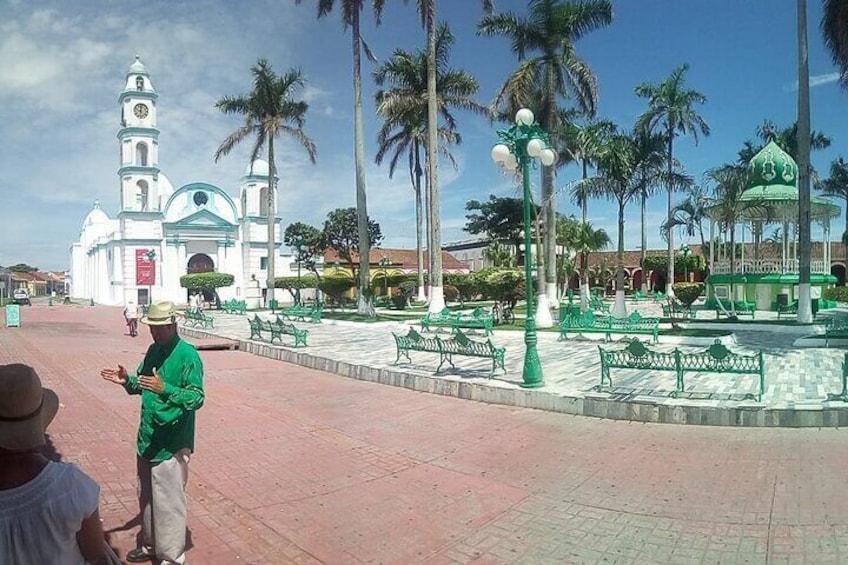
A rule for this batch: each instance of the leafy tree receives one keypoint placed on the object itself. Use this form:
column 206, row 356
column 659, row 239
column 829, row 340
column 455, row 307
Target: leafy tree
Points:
column 350, row 19
column 270, row 110
column 403, row 107
column 499, row 219
column 499, row 255
column 341, row 234
column 549, row 32
column 465, row 284
column 312, row 244
column 834, row 27
column 23, row 268
column 336, row 285
column 687, row 292
column 671, row 111
column 208, row 282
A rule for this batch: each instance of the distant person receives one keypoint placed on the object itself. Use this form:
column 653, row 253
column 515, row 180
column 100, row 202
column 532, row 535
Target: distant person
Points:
column 131, row 316
column 170, row 382
column 48, row 510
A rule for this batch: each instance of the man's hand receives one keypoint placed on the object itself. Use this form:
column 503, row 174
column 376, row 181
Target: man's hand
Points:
column 153, row 384
column 118, row 375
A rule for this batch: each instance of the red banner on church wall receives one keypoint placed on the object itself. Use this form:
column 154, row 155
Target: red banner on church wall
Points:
column 145, row 268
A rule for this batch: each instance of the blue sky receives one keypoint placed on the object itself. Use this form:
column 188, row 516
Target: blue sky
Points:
column 62, row 66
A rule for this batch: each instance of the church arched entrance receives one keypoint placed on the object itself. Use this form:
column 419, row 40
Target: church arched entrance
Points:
column 838, row 271
column 201, row 263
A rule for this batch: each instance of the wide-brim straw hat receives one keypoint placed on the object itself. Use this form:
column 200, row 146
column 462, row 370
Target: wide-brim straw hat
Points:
column 26, row 408
column 161, row 313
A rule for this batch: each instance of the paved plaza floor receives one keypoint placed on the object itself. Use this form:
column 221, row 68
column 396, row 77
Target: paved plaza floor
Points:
column 295, row 465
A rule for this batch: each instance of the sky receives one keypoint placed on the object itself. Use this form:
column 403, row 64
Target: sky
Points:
column 63, row 65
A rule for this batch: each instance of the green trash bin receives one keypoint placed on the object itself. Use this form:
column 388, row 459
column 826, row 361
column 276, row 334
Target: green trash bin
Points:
column 273, row 304
column 13, row 315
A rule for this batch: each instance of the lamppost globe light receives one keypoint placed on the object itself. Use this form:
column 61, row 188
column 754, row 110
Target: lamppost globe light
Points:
column 510, row 163
column 500, row 153
column 535, row 147
column 548, row 156
column 524, row 117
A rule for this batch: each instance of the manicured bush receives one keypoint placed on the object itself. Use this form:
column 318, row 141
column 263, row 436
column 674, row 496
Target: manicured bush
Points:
column 206, row 281
column 505, row 285
column 687, row 293
column 466, row 284
column 837, row 293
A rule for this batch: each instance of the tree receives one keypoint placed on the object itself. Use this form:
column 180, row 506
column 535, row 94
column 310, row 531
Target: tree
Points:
column 588, row 240
column 403, row 107
column 209, row 282
column 584, row 143
column 786, row 138
column 626, row 166
column 341, row 234
column 23, row 268
column 312, row 244
column 834, row 28
column 350, row 19
column 499, row 218
column 499, row 256
column 670, row 109
column 270, row 110
column 689, row 214
column 550, row 29
column 427, row 11
column 837, row 185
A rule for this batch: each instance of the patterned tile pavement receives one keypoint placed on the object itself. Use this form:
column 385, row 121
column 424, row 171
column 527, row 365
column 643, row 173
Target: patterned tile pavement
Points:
column 298, row 466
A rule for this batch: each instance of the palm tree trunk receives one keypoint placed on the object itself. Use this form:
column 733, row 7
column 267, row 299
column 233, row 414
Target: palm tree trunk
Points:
column 644, row 243
column 365, row 306
column 272, row 244
column 419, row 223
column 584, row 259
column 437, row 296
column 620, row 309
column 670, row 271
column 805, row 311
column 733, row 269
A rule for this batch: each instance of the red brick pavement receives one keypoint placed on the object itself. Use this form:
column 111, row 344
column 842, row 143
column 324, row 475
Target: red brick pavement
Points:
column 298, row 466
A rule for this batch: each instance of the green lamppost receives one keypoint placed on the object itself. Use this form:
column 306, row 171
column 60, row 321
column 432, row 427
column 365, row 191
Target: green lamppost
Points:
column 518, row 147
column 298, row 247
column 685, row 251
column 151, row 256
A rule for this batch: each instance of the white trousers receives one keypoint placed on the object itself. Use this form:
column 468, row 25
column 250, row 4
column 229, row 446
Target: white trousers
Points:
column 162, row 500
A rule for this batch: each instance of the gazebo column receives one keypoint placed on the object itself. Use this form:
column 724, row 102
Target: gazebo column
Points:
column 712, row 245
column 742, row 254
column 784, row 236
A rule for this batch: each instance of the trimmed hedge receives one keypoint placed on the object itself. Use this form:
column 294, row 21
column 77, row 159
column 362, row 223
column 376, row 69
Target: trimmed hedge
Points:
column 837, row 293
column 687, row 293
column 206, row 281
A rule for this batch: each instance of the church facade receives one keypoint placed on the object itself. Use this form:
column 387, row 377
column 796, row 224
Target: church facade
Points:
column 161, row 233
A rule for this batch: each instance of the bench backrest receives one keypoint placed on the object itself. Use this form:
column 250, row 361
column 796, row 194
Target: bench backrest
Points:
column 718, row 357
column 636, row 354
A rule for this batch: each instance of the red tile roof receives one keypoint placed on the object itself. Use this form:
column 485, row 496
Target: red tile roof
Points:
column 400, row 258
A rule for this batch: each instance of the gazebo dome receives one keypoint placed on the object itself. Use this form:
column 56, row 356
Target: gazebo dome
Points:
column 772, row 166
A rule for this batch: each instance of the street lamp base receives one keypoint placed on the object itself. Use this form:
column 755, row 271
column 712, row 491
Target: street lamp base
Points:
column 532, row 375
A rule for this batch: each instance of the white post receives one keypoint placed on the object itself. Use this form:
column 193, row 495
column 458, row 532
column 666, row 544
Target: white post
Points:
column 712, row 245
column 742, row 257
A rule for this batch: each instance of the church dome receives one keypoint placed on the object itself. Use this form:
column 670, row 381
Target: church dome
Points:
column 137, row 68
column 772, row 167
column 96, row 216
column 165, row 187
column 258, row 168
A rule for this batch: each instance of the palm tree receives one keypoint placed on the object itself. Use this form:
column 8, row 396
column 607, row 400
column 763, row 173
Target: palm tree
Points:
column 670, row 108
column 837, row 185
column 403, row 107
column 350, row 18
column 584, row 143
column 689, row 214
column 269, row 110
column 427, row 12
column 624, row 169
column 550, row 29
column 588, row 240
column 834, row 27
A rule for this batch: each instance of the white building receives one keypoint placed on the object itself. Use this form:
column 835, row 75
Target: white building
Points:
column 161, row 233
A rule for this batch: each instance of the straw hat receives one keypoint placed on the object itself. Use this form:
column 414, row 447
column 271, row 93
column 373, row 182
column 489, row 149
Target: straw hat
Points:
column 161, row 313
column 26, row 409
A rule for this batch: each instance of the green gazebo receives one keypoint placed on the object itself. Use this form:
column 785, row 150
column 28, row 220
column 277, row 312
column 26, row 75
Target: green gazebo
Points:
column 770, row 276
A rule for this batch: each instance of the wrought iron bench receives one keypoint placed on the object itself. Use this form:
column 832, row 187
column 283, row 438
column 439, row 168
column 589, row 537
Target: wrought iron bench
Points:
column 197, row 318
column 258, row 325
column 835, row 328
column 787, row 309
column 302, row 314
column 597, row 303
column 639, row 296
column 715, row 359
column 289, row 329
column 459, row 344
column 589, row 322
column 445, row 318
column 741, row 307
column 234, row 306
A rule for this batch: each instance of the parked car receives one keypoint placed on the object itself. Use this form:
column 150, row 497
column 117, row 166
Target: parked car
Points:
column 21, row 296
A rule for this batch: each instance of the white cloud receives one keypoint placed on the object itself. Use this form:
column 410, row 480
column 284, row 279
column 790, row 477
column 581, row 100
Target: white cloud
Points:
column 816, row 80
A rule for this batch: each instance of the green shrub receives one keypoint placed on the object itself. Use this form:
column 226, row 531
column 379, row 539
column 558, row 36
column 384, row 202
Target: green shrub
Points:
column 466, row 284
column 292, row 283
column 399, row 301
column 407, row 288
column 506, row 285
column 206, row 281
column 451, row 293
column 837, row 293
column 687, row 293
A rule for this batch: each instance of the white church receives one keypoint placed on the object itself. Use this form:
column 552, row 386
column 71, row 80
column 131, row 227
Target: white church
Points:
column 161, row 233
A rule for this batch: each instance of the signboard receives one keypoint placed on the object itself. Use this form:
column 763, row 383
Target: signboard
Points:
column 145, row 268
column 13, row 315
column 815, row 292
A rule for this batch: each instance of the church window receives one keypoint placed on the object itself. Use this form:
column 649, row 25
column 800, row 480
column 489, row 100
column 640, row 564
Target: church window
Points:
column 263, row 202
column 200, row 198
column 244, row 203
column 142, row 195
column 139, row 83
column 263, row 263
column 141, row 154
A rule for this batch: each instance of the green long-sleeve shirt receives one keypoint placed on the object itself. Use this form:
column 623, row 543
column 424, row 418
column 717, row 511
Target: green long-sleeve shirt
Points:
column 167, row 419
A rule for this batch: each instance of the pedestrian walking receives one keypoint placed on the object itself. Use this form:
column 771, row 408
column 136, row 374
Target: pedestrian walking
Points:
column 131, row 316
column 170, row 382
column 48, row 509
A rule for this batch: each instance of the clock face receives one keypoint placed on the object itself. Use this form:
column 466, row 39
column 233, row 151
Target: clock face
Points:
column 140, row 111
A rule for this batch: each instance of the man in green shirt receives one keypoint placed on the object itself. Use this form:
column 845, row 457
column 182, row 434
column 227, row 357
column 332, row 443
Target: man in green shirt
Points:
column 170, row 382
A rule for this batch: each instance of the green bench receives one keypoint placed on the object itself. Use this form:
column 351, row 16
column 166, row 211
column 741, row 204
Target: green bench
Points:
column 276, row 330
column 597, row 303
column 589, row 322
column 674, row 309
column 639, row 296
column 790, row 309
column 197, row 318
column 479, row 318
column 234, row 306
column 715, row 359
column 742, row 308
column 660, row 296
column 458, row 344
column 835, row 328
column 302, row 314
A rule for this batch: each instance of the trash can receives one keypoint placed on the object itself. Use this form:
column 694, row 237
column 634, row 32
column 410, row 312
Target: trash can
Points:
column 783, row 300
column 272, row 304
column 13, row 315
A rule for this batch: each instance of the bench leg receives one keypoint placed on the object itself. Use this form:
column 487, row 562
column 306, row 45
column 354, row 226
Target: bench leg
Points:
column 605, row 376
column 445, row 357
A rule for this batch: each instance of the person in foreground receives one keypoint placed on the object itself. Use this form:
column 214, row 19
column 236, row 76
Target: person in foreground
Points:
column 48, row 510
column 170, row 382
